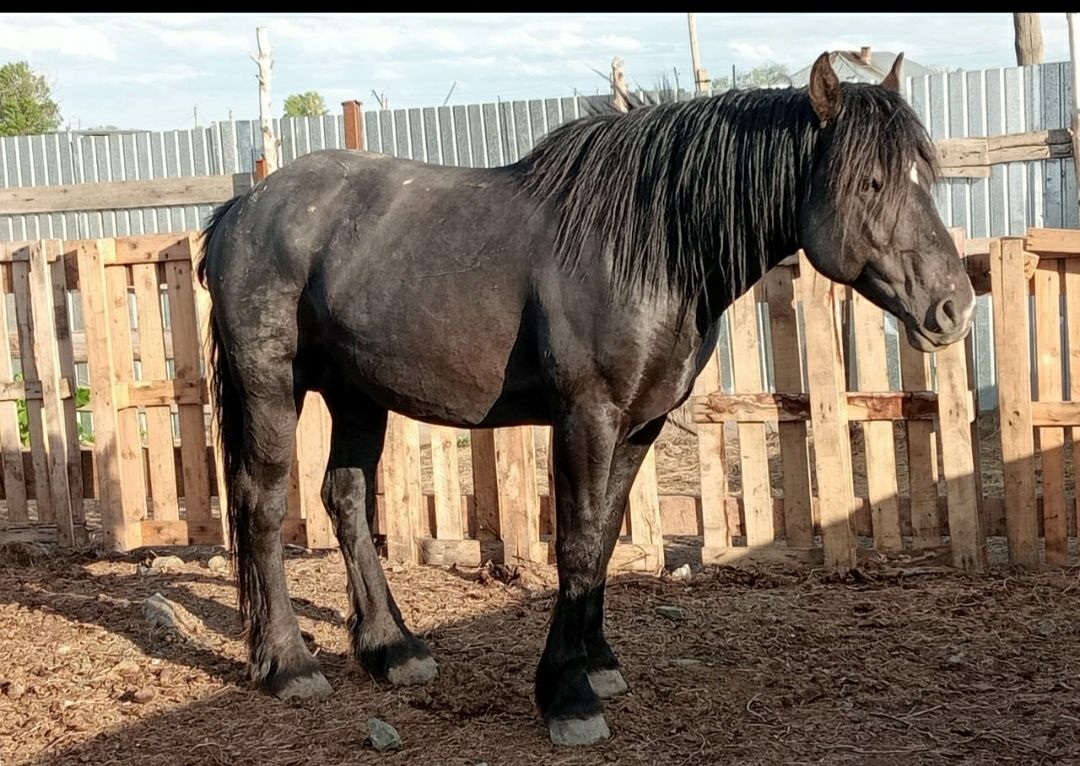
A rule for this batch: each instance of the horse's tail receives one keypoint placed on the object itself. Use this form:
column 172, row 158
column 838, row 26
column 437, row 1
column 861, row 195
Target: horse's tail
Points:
column 229, row 414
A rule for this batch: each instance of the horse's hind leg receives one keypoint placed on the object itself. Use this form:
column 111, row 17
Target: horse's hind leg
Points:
column 280, row 661
column 380, row 641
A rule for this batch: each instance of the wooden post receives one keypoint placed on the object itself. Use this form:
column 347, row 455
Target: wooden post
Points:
column 921, row 453
column 779, row 287
column 618, row 86
column 403, row 501
column 967, row 537
column 1051, row 440
column 1011, row 342
column 121, row 522
column 159, row 433
column 519, row 502
column 202, row 310
column 266, row 65
column 447, row 483
column 47, row 358
column 10, row 442
column 878, row 436
column 485, row 484
column 353, row 112
column 828, row 416
column 701, row 76
column 716, row 533
column 260, row 169
column 1029, row 39
column 644, row 515
column 753, row 454
column 312, row 453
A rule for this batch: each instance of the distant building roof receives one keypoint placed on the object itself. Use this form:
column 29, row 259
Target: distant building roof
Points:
column 863, row 65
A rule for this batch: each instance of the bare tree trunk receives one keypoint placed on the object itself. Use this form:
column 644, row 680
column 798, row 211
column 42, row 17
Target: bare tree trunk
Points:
column 1029, row 41
column 266, row 64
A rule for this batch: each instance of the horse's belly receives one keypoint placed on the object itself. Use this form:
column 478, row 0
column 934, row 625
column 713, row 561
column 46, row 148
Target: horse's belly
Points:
column 448, row 372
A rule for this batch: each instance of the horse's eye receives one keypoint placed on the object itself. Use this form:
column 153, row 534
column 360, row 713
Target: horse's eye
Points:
column 871, row 184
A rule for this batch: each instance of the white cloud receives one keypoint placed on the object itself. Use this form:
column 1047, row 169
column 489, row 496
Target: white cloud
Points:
column 754, row 52
column 31, row 35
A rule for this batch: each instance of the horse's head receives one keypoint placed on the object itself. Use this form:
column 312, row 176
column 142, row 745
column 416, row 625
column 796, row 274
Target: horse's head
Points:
column 867, row 217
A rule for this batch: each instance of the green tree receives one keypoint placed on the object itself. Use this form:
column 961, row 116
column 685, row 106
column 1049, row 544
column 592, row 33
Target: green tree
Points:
column 308, row 104
column 26, row 105
column 762, row 76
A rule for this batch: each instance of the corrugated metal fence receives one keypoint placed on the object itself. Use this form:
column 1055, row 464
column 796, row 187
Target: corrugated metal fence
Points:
column 962, row 104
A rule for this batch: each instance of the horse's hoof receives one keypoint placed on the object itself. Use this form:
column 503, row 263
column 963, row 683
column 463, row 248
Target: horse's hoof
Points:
column 413, row 672
column 578, row 731
column 314, row 687
column 607, row 683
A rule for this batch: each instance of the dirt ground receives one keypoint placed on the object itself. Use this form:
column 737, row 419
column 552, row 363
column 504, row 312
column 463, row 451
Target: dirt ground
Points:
column 891, row 666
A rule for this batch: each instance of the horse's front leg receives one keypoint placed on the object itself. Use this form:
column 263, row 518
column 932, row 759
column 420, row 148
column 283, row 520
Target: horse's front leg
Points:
column 585, row 443
column 603, row 665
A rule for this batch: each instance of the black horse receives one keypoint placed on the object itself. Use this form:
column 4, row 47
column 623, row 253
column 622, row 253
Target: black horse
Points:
column 580, row 287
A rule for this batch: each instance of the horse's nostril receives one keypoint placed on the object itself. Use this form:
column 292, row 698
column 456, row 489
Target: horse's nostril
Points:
column 946, row 315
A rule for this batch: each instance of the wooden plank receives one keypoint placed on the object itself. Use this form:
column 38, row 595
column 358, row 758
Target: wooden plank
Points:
column 1049, row 243
column 627, row 557
column 860, row 406
column 462, row 553
column 447, row 483
column 519, row 503
column 879, row 445
column 186, row 360
column 121, row 514
column 958, row 152
column 644, row 512
column 764, row 556
column 152, row 248
column 159, row 430
column 68, row 389
column 779, row 288
column 1057, row 414
column 548, row 525
column 832, row 447
column 10, row 441
column 20, row 278
column 47, row 361
column 28, row 533
column 1014, row 399
column 711, row 461
column 402, row 502
column 967, row 538
column 1051, row 440
column 159, row 394
column 753, row 454
column 313, row 452
column 121, row 195
column 485, row 484
column 921, row 451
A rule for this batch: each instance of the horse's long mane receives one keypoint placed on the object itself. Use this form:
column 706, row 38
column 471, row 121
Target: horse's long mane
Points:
column 677, row 190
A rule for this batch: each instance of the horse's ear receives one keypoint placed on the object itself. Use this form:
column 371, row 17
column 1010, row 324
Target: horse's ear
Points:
column 892, row 79
column 825, row 95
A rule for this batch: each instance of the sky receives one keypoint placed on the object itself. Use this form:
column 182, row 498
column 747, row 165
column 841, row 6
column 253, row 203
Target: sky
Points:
column 167, row 71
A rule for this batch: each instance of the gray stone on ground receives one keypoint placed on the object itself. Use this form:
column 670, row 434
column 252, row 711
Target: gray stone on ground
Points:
column 670, row 611
column 683, row 573
column 167, row 564
column 217, row 564
column 383, row 736
column 168, row 615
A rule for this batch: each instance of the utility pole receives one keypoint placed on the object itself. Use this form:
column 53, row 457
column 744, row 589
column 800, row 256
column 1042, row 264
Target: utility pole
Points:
column 701, row 76
column 1029, row 39
column 266, row 64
